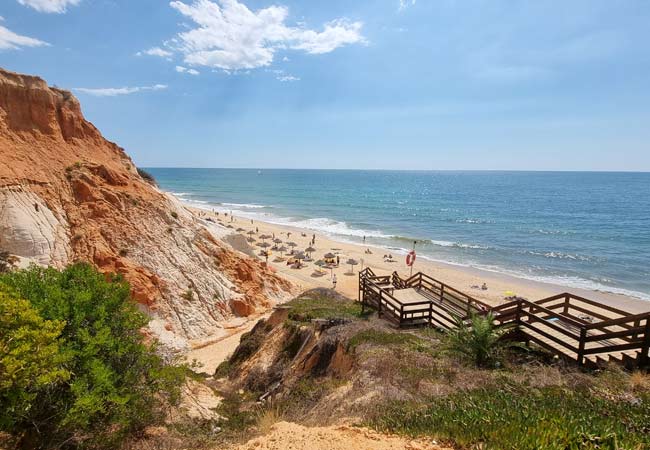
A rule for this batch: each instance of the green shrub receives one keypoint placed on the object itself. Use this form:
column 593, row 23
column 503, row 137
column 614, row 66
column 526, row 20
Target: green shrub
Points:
column 305, row 309
column 174, row 214
column 519, row 418
column 480, row 341
column 116, row 384
column 30, row 357
column 146, row 176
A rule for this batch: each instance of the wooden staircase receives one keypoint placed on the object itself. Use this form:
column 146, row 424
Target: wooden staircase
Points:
column 573, row 327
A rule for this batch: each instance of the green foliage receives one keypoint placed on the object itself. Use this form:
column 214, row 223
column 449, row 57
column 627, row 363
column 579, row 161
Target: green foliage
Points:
column 516, row 418
column 306, row 309
column 174, row 214
column 116, row 384
column 479, row 341
column 384, row 338
column 30, row 357
column 146, row 176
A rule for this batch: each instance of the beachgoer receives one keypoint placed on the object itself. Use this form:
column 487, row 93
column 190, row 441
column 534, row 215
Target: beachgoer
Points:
column 257, row 230
column 334, row 281
column 364, row 239
column 337, row 260
column 484, row 287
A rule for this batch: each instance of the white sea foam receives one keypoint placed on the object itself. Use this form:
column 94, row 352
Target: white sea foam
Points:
column 244, row 205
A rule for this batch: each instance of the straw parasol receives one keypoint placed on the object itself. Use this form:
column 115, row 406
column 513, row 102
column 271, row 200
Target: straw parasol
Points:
column 250, row 239
column 292, row 245
column 299, row 257
column 352, row 262
column 239, row 230
column 277, row 240
column 329, row 256
column 265, row 237
column 282, row 249
column 250, row 233
column 265, row 245
column 309, row 250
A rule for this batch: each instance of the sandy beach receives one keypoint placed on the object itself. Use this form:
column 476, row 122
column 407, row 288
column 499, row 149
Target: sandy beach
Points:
column 466, row 279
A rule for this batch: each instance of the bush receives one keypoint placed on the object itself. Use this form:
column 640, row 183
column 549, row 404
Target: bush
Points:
column 520, row 418
column 480, row 341
column 30, row 357
column 174, row 214
column 146, row 176
column 116, row 383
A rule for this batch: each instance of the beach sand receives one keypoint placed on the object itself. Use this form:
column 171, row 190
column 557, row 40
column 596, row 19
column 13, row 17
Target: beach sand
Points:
column 464, row 279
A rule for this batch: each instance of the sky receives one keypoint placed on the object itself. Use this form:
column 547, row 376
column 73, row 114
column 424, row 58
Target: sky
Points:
column 370, row 84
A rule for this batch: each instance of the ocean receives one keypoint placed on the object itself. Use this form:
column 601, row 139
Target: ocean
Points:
column 577, row 229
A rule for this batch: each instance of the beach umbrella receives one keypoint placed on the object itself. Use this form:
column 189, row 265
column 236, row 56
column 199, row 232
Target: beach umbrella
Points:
column 352, row 262
column 229, row 226
column 250, row 239
column 329, row 256
column 239, row 230
column 292, row 245
column 265, row 237
column 299, row 257
column 277, row 240
column 251, row 232
column 309, row 250
column 282, row 249
column 265, row 245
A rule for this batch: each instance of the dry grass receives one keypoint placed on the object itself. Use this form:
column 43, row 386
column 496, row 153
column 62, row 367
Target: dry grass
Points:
column 268, row 417
column 640, row 381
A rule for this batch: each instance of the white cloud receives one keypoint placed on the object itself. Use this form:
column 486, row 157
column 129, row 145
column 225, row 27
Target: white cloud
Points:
column 12, row 41
column 49, row 6
column 156, row 51
column 181, row 69
column 403, row 4
column 229, row 36
column 112, row 92
column 286, row 78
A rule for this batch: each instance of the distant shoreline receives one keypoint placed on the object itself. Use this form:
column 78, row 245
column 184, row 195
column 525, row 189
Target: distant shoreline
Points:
column 461, row 277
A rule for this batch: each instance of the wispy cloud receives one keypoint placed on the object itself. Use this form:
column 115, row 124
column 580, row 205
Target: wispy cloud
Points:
column 13, row 41
column 287, row 78
column 49, row 6
column 156, row 51
column 403, row 4
column 229, row 36
column 181, row 69
column 112, row 92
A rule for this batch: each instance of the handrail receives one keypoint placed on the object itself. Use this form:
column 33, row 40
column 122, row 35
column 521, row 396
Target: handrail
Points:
column 622, row 320
column 540, row 321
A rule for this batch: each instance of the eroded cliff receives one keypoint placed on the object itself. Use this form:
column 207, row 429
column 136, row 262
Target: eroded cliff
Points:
column 67, row 194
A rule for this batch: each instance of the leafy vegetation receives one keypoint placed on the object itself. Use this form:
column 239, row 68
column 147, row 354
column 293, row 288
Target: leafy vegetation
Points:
column 308, row 308
column 480, row 341
column 146, row 176
column 91, row 379
column 549, row 418
column 174, row 214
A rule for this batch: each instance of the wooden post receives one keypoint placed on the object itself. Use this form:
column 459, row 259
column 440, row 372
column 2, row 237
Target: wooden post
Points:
column 581, row 345
column 645, row 357
column 442, row 293
column 566, row 304
column 430, row 314
column 379, row 303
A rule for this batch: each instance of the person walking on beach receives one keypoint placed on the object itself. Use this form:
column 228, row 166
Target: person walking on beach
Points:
column 334, row 281
column 338, row 260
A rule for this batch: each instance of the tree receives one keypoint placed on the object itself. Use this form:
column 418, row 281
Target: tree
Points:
column 117, row 383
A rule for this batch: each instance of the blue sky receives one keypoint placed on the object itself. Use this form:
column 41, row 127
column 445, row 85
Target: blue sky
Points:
column 425, row 84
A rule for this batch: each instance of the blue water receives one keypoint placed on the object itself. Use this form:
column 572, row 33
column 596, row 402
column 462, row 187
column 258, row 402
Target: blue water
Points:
column 587, row 230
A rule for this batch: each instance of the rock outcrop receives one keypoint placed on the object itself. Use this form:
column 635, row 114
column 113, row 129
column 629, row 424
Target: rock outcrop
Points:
column 67, row 194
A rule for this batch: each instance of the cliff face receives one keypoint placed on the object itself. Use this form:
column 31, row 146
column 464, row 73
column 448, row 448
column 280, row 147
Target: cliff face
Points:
column 67, row 194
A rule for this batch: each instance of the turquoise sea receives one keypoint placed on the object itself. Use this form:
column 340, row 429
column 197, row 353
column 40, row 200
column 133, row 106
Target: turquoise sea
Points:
column 578, row 229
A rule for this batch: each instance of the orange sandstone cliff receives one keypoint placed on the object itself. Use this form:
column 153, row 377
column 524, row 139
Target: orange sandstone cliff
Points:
column 67, row 194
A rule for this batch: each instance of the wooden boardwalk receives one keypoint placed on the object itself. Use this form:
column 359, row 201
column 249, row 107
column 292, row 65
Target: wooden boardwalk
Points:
column 576, row 328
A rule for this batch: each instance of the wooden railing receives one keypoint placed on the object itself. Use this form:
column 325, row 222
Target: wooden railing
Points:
column 572, row 326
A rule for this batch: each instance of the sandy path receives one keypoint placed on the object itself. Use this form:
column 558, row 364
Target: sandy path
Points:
column 290, row 436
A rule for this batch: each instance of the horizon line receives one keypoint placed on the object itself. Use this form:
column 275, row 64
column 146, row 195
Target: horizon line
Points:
column 400, row 170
